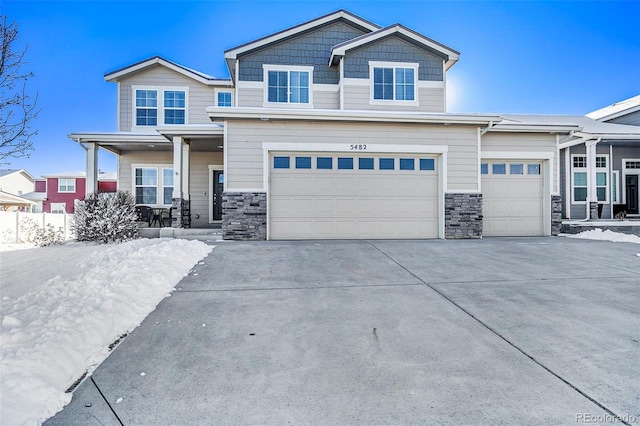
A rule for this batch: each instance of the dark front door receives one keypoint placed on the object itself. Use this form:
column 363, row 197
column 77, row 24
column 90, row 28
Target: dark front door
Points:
column 632, row 194
column 218, row 187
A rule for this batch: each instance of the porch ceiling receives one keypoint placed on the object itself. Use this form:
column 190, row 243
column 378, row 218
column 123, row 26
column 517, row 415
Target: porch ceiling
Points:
column 121, row 143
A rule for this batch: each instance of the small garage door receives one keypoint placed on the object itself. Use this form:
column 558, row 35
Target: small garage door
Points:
column 513, row 198
column 343, row 196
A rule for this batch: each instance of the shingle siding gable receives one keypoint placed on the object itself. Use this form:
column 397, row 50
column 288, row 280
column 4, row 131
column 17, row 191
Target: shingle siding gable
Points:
column 393, row 49
column 309, row 49
column 631, row 119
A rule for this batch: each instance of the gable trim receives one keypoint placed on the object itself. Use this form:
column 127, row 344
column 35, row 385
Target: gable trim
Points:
column 117, row 75
column 238, row 50
column 450, row 56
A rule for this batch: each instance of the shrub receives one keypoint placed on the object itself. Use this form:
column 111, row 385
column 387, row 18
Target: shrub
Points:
column 106, row 217
column 32, row 233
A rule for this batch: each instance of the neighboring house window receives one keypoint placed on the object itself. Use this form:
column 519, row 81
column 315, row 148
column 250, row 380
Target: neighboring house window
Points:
column 174, row 107
column 393, row 82
column 66, row 185
column 146, row 107
column 59, row 208
column 151, row 188
column 224, row 99
column 580, row 180
column 288, row 85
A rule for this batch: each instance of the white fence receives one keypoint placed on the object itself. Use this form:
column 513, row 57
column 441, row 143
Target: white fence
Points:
column 14, row 226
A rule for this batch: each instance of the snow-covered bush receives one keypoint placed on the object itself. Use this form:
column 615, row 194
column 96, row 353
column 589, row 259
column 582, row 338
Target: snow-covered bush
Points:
column 106, row 217
column 32, row 233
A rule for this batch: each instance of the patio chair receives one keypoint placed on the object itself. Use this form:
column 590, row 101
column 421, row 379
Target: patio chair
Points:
column 143, row 214
column 165, row 217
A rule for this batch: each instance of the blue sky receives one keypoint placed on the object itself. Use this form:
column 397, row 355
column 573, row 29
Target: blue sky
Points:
column 516, row 57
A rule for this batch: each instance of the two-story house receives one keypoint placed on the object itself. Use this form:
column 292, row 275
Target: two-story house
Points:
column 58, row 193
column 334, row 128
column 14, row 183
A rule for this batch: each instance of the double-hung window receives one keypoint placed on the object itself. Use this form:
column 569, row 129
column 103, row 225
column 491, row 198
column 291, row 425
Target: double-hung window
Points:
column 153, row 185
column 393, row 82
column 146, row 107
column 288, row 85
column 66, row 185
column 580, row 187
column 160, row 105
column 174, row 107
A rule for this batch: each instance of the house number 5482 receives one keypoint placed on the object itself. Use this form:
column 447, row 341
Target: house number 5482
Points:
column 361, row 147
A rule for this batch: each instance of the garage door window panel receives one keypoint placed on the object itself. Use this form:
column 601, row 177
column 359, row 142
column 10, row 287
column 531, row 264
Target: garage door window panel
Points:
column 324, row 163
column 345, row 163
column 407, row 164
column 499, row 169
column 533, row 169
column 365, row 163
column 516, row 169
column 303, row 162
column 281, row 162
column 387, row 164
column 427, row 164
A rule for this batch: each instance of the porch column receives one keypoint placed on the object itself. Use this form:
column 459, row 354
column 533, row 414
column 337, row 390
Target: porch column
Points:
column 178, row 142
column 92, row 168
column 186, row 149
column 180, row 209
column 592, row 192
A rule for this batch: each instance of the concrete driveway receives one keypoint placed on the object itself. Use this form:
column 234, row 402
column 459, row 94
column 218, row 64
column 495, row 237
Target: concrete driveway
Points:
column 492, row 331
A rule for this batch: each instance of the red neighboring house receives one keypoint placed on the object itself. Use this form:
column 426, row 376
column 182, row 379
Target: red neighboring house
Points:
column 59, row 192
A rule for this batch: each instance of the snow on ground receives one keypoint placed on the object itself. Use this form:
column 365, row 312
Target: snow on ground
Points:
column 599, row 234
column 16, row 246
column 62, row 306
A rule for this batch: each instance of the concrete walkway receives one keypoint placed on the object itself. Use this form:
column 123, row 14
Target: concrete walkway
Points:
column 492, row 331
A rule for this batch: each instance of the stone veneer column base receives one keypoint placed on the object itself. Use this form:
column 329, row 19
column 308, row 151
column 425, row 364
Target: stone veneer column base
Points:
column 180, row 213
column 556, row 214
column 244, row 215
column 593, row 208
column 463, row 215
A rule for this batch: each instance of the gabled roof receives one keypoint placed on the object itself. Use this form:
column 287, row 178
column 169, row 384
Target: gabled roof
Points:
column 157, row 60
column 7, row 199
column 231, row 55
column 6, row 172
column 618, row 109
column 450, row 56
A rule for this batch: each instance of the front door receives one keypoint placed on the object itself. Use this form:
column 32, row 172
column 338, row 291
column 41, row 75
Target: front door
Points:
column 632, row 194
column 218, row 187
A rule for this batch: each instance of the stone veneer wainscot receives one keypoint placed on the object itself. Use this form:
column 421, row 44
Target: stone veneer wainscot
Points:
column 463, row 215
column 244, row 216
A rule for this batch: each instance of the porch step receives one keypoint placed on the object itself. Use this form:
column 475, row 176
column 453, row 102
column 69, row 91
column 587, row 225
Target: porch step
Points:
column 206, row 235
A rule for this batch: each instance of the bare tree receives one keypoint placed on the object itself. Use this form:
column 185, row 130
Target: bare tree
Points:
column 17, row 109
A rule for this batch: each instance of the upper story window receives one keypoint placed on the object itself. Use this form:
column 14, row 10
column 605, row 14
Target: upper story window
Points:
column 66, row 185
column 224, row 99
column 393, row 82
column 174, row 107
column 160, row 106
column 288, row 85
column 146, row 107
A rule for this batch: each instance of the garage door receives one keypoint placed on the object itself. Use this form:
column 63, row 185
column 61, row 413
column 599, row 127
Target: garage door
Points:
column 342, row 196
column 513, row 197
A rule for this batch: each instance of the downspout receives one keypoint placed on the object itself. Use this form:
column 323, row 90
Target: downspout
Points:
column 77, row 140
column 592, row 195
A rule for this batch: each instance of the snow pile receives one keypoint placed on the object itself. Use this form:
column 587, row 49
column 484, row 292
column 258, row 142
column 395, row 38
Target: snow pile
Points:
column 62, row 328
column 16, row 246
column 599, row 234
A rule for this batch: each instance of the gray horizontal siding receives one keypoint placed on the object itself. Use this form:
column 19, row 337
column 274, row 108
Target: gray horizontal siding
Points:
column 200, row 96
column 631, row 119
column 244, row 145
column 358, row 97
column 309, row 49
column 199, row 176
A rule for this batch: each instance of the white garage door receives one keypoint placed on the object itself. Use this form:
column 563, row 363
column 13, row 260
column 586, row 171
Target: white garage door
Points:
column 344, row 196
column 513, row 195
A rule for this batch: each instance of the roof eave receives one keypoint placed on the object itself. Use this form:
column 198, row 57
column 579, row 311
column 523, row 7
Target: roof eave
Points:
column 218, row 113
